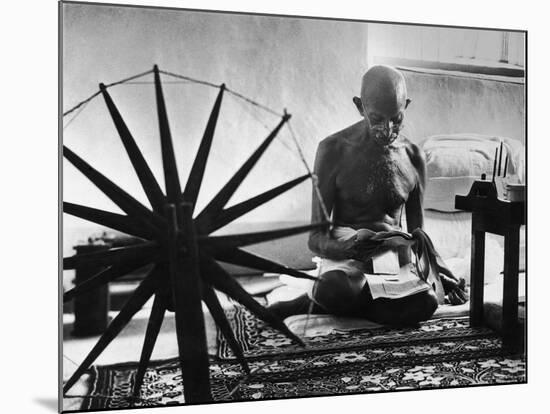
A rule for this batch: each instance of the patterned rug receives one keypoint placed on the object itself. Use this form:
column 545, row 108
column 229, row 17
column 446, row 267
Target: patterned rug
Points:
column 438, row 353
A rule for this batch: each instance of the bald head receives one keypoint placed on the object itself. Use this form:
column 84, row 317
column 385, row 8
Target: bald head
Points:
column 383, row 102
column 383, row 89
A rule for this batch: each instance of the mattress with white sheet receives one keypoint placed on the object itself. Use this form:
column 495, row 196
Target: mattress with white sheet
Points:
column 455, row 161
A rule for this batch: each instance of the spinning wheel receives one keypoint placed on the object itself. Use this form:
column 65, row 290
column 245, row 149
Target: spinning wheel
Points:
column 184, row 255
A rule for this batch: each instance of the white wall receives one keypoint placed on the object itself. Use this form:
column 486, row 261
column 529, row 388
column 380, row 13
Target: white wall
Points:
column 312, row 68
column 448, row 104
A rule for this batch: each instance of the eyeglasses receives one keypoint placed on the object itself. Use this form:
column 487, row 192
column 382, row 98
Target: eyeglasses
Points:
column 392, row 123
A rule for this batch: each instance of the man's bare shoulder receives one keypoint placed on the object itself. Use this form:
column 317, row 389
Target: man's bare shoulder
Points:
column 414, row 151
column 336, row 142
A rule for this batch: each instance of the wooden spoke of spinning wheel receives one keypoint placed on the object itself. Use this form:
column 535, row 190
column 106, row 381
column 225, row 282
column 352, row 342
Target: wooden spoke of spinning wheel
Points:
column 220, row 200
column 196, row 175
column 142, row 293
column 144, row 173
column 125, row 201
column 120, row 255
column 243, row 258
column 153, row 328
column 171, row 178
column 224, row 282
column 245, row 239
column 227, row 215
column 114, row 221
column 103, row 277
column 211, row 299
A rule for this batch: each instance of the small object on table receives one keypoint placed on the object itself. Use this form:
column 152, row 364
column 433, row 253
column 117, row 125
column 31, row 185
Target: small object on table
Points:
column 516, row 192
column 495, row 164
column 493, row 215
column 483, row 188
column 501, row 187
column 505, row 166
column 500, row 180
column 500, row 158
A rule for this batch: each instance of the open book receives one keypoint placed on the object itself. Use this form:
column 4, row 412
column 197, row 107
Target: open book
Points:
column 391, row 281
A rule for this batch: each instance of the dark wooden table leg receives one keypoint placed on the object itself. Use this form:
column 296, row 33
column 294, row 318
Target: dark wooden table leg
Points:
column 91, row 310
column 511, row 334
column 477, row 268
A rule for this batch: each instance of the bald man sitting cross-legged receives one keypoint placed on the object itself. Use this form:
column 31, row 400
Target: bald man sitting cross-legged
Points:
column 367, row 173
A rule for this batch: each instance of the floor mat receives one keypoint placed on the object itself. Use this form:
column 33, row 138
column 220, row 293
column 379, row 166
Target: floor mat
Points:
column 444, row 352
column 441, row 353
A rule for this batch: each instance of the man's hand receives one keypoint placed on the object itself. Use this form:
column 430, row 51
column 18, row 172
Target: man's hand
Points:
column 455, row 290
column 351, row 249
column 361, row 246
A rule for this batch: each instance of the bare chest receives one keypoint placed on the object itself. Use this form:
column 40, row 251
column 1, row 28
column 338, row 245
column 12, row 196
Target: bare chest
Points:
column 381, row 181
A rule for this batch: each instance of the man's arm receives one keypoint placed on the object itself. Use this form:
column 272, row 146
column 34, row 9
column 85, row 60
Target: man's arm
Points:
column 320, row 241
column 414, row 207
column 454, row 288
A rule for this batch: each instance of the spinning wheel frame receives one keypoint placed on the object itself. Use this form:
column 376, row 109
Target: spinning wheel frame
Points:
column 184, row 255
